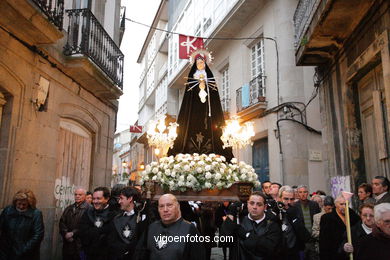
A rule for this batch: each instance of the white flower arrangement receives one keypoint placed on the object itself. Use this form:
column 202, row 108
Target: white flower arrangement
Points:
column 198, row 172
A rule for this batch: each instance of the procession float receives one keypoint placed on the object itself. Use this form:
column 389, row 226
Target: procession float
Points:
column 195, row 155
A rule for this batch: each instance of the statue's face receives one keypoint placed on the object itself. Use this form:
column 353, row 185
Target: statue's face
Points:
column 200, row 64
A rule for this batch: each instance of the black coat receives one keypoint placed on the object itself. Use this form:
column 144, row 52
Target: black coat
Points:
column 293, row 227
column 69, row 223
column 21, row 234
column 374, row 246
column 332, row 230
column 357, row 235
column 118, row 247
column 94, row 239
column 253, row 242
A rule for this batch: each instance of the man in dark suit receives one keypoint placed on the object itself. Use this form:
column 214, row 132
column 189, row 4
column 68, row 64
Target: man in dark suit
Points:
column 94, row 225
column 126, row 228
column 380, row 189
column 332, row 229
column 306, row 210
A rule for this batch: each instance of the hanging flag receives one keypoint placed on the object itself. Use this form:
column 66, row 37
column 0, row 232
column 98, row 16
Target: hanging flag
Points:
column 188, row 44
column 135, row 129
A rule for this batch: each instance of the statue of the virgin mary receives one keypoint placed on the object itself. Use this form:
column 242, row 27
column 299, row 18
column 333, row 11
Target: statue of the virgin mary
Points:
column 200, row 117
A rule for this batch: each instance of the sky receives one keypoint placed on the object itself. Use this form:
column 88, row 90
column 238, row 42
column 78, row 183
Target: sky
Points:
column 133, row 39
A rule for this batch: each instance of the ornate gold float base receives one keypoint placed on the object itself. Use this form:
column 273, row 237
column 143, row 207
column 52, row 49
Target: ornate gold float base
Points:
column 238, row 191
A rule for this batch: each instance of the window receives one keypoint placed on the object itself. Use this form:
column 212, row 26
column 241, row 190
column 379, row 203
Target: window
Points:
column 225, row 96
column 257, row 83
column 257, row 59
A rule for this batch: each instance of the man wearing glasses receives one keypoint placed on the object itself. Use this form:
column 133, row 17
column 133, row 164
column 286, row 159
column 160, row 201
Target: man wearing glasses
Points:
column 377, row 244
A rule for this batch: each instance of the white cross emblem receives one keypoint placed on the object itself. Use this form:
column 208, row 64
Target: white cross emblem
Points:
column 188, row 44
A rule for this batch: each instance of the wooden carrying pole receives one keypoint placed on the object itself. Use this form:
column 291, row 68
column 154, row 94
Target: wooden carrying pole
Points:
column 347, row 196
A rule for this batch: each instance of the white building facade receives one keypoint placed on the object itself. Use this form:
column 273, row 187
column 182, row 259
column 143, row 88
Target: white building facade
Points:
column 252, row 43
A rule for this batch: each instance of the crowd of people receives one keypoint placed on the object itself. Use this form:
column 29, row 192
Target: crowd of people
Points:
column 278, row 222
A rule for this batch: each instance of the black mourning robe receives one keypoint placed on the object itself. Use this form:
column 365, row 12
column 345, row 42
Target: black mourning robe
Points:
column 171, row 250
column 198, row 132
column 253, row 241
column 93, row 238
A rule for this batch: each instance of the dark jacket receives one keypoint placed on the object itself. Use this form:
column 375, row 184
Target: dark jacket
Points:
column 384, row 199
column 69, row 222
column 357, row 234
column 21, row 234
column 182, row 249
column 119, row 246
column 374, row 246
column 332, row 230
column 313, row 207
column 295, row 235
column 93, row 238
column 253, row 241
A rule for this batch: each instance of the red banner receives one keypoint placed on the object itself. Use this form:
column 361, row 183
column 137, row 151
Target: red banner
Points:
column 135, row 129
column 188, row 44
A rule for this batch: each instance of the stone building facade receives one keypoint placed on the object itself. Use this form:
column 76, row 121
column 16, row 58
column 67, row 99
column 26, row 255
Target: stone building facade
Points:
column 60, row 78
column 350, row 47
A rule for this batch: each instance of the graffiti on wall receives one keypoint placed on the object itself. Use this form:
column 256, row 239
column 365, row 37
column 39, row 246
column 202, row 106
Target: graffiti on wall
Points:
column 63, row 192
column 339, row 184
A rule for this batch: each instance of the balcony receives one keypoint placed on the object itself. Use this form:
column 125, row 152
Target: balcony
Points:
column 322, row 26
column 87, row 38
column 250, row 99
column 35, row 22
column 53, row 9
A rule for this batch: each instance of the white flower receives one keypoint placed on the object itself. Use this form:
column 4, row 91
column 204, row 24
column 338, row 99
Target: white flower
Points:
column 199, row 170
column 186, row 168
column 155, row 170
column 207, row 168
column 148, row 168
column 207, row 185
column 212, row 155
column 217, row 176
column 234, row 160
column 154, row 178
column 208, row 175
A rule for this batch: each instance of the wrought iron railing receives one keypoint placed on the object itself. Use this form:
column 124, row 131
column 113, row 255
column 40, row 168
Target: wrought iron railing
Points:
column 302, row 18
column 53, row 9
column 256, row 93
column 87, row 36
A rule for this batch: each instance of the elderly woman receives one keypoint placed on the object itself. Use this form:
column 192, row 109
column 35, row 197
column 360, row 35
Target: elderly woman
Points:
column 377, row 244
column 362, row 229
column 21, row 228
